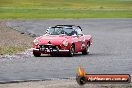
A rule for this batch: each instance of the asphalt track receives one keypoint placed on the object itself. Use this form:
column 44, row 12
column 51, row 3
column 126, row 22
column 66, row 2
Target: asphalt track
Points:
column 111, row 51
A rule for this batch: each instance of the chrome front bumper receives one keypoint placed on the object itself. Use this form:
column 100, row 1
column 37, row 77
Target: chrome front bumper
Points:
column 48, row 50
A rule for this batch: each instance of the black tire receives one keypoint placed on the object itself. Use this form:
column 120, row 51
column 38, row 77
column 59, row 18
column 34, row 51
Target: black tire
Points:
column 36, row 54
column 71, row 51
column 81, row 80
column 86, row 50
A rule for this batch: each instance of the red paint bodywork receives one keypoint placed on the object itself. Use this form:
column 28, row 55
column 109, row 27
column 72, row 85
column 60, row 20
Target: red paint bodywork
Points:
column 58, row 41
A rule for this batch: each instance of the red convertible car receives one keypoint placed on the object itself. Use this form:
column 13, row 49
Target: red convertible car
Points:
column 62, row 39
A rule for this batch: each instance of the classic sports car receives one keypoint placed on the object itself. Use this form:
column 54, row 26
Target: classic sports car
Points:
column 62, row 39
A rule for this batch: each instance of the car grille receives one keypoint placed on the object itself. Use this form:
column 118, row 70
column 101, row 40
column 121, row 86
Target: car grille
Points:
column 49, row 46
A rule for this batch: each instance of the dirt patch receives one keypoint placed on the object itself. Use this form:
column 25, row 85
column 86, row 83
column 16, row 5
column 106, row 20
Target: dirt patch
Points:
column 12, row 41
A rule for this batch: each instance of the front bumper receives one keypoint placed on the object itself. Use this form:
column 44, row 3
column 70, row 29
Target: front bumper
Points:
column 46, row 51
column 49, row 48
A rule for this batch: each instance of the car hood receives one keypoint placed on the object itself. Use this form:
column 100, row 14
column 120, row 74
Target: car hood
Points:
column 52, row 39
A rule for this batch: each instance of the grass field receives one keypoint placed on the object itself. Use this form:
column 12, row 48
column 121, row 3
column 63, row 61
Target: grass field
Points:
column 65, row 9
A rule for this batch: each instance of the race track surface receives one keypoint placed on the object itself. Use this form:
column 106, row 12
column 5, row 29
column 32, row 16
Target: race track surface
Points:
column 111, row 51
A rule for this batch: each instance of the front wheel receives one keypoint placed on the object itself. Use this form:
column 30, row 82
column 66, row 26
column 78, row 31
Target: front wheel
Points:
column 71, row 51
column 86, row 50
column 36, row 54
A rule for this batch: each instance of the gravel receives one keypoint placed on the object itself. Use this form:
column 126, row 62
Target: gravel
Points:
column 12, row 41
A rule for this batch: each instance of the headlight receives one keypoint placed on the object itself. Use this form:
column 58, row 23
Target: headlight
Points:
column 65, row 43
column 35, row 41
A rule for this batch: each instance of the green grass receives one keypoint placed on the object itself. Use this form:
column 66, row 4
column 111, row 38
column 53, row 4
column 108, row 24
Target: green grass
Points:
column 65, row 9
column 65, row 13
column 11, row 49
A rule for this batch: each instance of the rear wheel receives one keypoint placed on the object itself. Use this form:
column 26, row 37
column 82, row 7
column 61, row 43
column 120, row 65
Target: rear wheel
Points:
column 36, row 54
column 86, row 50
column 71, row 51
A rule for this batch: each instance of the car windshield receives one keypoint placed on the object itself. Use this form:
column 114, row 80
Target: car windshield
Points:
column 58, row 31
